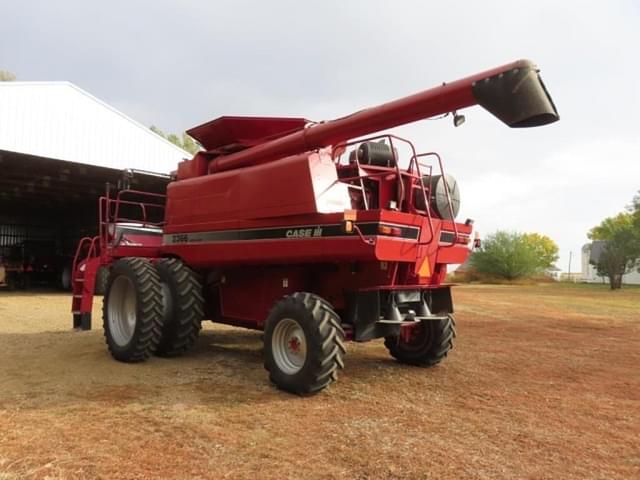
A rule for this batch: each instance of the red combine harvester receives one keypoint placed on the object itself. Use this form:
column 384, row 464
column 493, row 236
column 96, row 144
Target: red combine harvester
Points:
column 297, row 229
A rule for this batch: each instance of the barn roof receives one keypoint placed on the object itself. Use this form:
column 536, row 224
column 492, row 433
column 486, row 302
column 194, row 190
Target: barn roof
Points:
column 59, row 120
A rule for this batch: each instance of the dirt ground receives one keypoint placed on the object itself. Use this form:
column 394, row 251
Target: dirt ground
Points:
column 544, row 382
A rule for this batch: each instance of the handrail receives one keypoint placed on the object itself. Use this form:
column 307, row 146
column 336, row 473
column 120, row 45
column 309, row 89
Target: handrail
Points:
column 110, row 211
column 413, row 165
column 424, row 195
column 446, row 190
column 75, row 258
column 92, row 250
column 342, row 146
column 143, row 207
column 140, row 192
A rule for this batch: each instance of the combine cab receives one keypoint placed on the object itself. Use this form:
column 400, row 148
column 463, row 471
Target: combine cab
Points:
column 316, row 234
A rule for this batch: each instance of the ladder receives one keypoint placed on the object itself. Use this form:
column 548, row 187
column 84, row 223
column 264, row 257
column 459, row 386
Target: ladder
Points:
column 83, row 280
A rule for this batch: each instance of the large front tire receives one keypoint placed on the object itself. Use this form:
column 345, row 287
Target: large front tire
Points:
column 132, row 310
column 429, row 343
column 183, row 307
column 304, row 344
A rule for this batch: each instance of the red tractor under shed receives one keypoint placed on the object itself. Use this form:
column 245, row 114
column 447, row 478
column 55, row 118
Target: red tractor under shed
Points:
column 307, row 231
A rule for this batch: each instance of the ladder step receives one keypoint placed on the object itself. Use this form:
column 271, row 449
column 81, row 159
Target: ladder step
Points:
column 397, row 322
column 407, row 321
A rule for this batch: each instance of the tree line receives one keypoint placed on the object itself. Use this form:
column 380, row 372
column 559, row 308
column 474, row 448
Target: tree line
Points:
column 7, row 76
column 184, row 141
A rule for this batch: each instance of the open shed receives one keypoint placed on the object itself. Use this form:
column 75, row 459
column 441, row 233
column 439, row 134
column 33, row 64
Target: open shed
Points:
column 59, row 147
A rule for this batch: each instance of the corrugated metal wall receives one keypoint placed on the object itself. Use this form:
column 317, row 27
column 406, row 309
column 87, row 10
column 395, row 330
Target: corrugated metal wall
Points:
column 10, row 235
column 59, row 120
column 16, row 231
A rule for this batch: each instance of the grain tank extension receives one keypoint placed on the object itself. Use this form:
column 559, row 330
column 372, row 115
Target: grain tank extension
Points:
column 315, row 233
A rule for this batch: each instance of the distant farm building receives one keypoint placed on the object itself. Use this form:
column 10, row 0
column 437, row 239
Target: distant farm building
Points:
column 590, row 254
column 553, row 272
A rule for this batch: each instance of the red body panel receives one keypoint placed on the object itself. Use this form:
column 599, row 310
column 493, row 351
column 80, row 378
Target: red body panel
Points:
column 294, row 186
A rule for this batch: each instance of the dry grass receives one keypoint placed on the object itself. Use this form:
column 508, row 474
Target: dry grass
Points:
column 544, row 382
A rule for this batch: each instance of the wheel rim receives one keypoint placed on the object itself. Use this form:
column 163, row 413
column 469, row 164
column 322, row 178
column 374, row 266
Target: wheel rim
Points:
column 421, row 338
column 289, row 346
column 121, row 312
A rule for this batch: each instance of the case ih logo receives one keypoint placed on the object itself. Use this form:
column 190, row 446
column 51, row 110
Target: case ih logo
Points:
column 304, row 232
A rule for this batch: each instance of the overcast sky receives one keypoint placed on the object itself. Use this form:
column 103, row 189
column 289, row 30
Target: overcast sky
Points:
column 177, row 64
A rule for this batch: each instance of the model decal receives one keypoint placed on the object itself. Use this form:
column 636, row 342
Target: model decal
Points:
column 305, row 231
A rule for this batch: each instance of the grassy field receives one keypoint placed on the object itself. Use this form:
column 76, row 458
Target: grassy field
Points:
column 544, row 382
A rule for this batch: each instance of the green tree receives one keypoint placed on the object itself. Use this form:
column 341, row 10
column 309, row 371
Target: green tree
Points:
column 173, row 138
column 189, row 144
column 545, row 248
column 621, row 251
column 513, row 255
column 635, row 212
column 157, row 131
column 7, row 76
column 185, row 142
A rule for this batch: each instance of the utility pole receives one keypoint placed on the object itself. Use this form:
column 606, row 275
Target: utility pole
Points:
column 569, row 273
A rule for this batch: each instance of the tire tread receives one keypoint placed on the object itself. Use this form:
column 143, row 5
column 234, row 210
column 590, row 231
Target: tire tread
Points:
column 326, row 353
column 181, row 332
column 149, row 329
column 444, row 332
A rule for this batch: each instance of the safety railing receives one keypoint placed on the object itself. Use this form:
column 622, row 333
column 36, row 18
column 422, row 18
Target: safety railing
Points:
column 111, row 212
column 414, row 161
column 416, row 172
column 92, row 242
column 403, row 197
column 342, row 147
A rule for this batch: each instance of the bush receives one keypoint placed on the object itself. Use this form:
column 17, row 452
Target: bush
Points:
column 511, row 255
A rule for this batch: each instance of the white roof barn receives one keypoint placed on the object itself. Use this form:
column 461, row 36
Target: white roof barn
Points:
column 58, row 120
column 60, row 150
column 591, row 253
